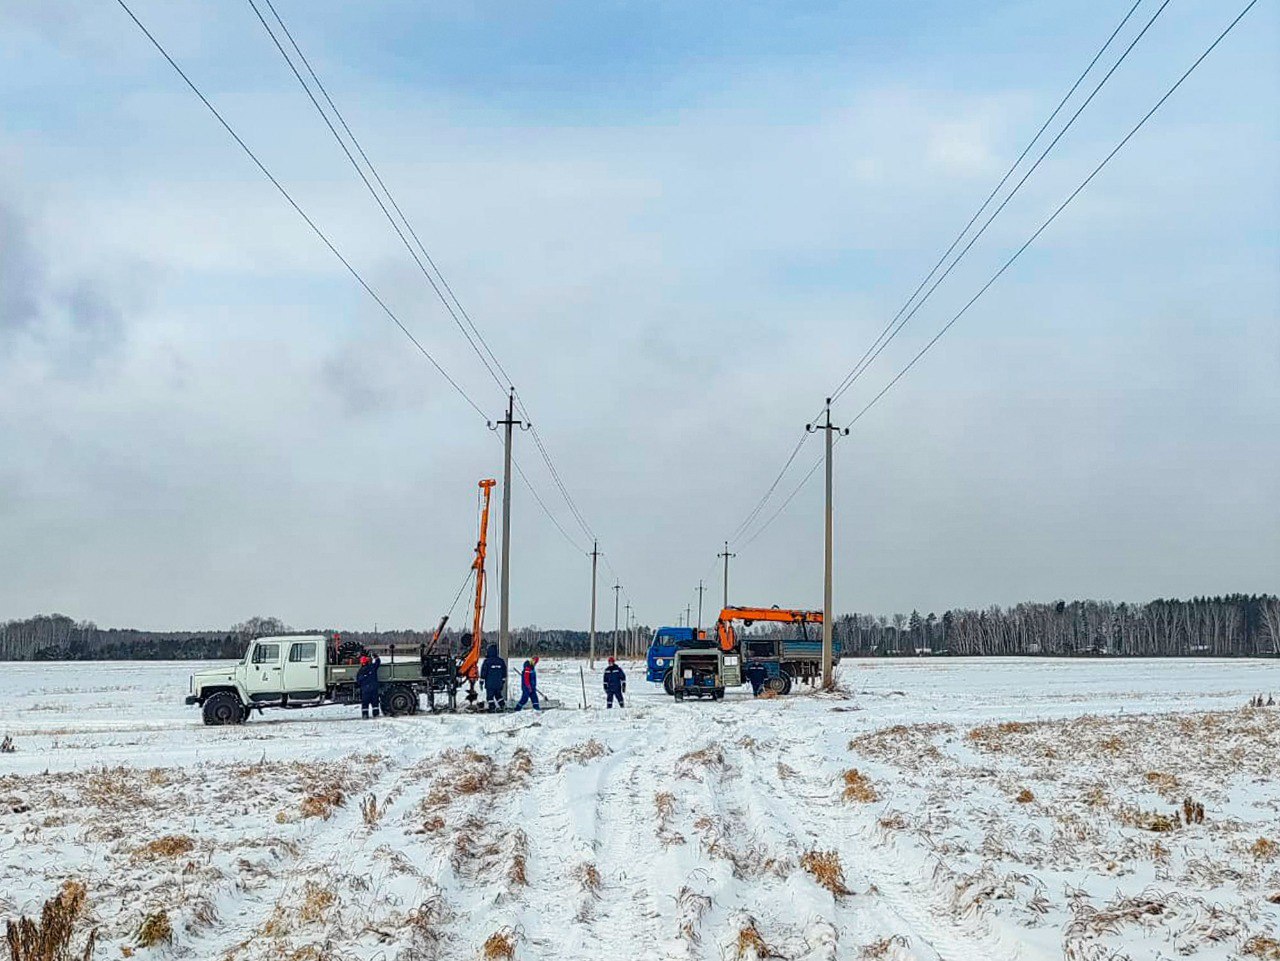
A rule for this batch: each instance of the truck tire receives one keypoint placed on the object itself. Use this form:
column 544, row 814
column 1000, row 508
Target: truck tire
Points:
column 398, row 699
column 780, row 684
column 223, row 707
column 669, row 682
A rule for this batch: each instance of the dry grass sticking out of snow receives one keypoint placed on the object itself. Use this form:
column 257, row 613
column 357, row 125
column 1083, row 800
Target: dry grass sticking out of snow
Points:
column 1136, row 817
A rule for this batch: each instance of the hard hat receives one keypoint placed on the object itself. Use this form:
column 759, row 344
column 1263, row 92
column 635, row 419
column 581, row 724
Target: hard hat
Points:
column 611, row 660
column 364, row 658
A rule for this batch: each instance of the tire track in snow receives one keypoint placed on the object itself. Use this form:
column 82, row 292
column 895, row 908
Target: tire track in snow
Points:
column 903, row 888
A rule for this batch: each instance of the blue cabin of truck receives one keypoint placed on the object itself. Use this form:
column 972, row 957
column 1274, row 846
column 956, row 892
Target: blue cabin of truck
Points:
column 663, row 648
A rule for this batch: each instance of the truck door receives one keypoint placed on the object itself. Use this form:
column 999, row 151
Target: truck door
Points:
column 265, row 675
column 302, row 670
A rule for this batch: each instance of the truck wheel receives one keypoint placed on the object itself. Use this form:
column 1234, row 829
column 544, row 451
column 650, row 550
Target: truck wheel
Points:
column 398, row 700
column 780, row 684
column 668, row 683
column 223, row 707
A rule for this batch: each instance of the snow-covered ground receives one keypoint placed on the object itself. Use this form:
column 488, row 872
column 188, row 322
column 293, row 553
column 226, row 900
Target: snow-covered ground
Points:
column 997, row 809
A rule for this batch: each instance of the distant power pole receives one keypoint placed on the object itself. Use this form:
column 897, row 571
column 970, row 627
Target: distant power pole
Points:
column 701, row 590
column 831, row 430
column 504, row 619
column 615, row 640
column 726, row 555
column 616, row 589
column 595, row 558
column 688, row 615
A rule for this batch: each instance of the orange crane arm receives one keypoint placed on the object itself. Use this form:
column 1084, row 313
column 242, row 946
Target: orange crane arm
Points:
column 469, row 669
column 724, row 626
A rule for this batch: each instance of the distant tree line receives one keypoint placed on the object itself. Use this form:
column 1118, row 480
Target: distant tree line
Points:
column 1235, row 625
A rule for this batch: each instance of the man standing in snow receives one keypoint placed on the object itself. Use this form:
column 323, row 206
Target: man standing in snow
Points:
column 756, row 674
column 494, row 674
column 615, row 683
column 529, row 684
column 367, row 681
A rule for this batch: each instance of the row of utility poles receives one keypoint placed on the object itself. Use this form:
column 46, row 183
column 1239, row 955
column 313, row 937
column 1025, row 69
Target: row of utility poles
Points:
column 831, row 431
column 509, row 423
column 631, row 643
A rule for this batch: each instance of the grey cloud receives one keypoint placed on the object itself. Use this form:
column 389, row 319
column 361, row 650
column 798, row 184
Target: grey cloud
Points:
column 68, row 326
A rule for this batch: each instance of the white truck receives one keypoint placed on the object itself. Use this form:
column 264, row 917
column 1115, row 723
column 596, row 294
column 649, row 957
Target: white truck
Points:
column 313, row 670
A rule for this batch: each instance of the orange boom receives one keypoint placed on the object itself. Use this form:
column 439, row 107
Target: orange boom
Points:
column 749, row 615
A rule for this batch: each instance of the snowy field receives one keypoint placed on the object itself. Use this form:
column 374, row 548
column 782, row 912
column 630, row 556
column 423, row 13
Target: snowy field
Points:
column 937, row 809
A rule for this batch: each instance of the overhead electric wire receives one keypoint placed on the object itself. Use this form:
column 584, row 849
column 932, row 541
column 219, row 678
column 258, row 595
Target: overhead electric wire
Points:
column 1054, row 216
column 783, row 506
column 298, row 209
column 374, row 170
column 559, row 482
column 438, row 281
column 858, row 371
column 769, row 492
column 874, row 350
column 1018, row 253
column 839, row 389
column 364, row 177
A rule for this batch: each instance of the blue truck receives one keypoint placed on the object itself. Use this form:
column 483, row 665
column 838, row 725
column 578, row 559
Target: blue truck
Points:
column 785, row 660
column 662, row 650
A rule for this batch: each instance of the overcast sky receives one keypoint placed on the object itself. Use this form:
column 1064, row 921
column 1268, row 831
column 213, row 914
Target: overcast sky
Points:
column 677, row 225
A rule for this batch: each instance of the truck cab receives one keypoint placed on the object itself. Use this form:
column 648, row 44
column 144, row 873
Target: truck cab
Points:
column 274, row 670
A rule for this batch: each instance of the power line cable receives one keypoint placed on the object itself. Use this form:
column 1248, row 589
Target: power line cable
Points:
column 853, row 375
column 876, row 346
column 1018, row 253
column 556, row 477
column 298, row 209
column 386, row 190
column 1054, row 216
column 995, row 190
column 365, row 179
column 755, row 511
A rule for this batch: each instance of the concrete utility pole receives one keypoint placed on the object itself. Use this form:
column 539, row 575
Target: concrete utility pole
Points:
column 828, row 627
column 616, row 589
column 595, row 559
column 726, row 555
column 701, row 590
column 615, row 640
column 504, row 616
column 688, row 615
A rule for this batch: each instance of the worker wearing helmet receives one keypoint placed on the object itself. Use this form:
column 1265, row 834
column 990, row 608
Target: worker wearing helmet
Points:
column 615, row 683
column 367, row 681
column 529, row 684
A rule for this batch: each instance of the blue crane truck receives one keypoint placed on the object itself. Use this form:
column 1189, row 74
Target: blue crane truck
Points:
column 784, row 660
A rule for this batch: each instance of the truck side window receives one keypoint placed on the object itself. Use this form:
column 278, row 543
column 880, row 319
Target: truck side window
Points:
column 302, row 653
column 266, row 654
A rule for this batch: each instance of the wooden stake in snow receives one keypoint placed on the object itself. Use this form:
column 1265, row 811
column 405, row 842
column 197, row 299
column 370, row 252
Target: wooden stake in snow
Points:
column 583, row 678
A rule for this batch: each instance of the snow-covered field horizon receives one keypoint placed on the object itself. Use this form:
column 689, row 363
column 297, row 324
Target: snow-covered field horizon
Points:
column 1012, row 808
